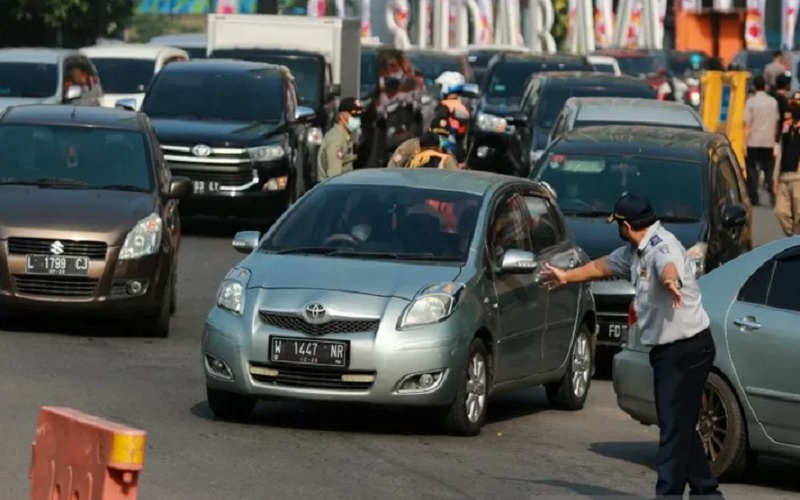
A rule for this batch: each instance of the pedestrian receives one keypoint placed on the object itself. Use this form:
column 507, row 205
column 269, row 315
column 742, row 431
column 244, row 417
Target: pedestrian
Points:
column 408, row 149
column 431, row 154
column 774, row 68
column 336, row 155
column 671, row 319
column 787, row 171
column 761, row 116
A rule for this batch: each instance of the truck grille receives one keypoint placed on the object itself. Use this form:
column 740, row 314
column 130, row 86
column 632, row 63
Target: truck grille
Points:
column 311, row 378
column 223, row 178
column 178, row 156
column 297, row 323
column 55, row 286
column 24, row 246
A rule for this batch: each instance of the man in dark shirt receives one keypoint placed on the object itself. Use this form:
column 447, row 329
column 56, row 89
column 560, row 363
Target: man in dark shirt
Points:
column 786, row 183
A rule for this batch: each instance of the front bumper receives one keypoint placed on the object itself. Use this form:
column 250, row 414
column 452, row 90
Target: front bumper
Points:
column 380, row 361
column 633, row 385
column 612, row 299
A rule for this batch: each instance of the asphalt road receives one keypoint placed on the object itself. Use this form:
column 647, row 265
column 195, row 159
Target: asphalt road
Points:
column 294, row 451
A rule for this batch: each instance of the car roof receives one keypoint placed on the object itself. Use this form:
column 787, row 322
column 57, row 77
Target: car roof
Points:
column 472, row 182
column 220, row 65
column 625, row 109
column 80, row 116
column 269, row 51
column 129, row 51
column 35, row 55
column 677, row 143
column 577, row 78
column 522, row 57
column 193, row 40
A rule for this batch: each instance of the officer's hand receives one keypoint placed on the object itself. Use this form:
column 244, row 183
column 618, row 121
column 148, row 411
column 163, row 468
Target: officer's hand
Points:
column 553, row 277
column 774, row 187
column 675, row 291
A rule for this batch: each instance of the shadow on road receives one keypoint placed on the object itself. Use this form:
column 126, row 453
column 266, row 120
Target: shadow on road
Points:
column 219, row 228
column 585, row 490
column 768, row 472
column 333, row 417
column 69, row 325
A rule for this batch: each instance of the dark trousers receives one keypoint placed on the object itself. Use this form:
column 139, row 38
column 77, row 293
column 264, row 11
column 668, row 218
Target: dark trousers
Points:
column 680, row 371
column 759, row 159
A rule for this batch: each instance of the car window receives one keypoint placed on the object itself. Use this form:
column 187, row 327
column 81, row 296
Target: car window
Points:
column 544, row 227
column 28, row 80
column 507, row 80
column 391, row 222
column 728, row 178
column 91, row 155
column 554, row 97
column 783, row 288
column 755, row 289
column 125, row 76
column 637, row 65
column 508, row 229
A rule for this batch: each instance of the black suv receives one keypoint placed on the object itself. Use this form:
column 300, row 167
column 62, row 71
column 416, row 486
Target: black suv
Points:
column 237, row 130
column 492, row 143
column 692, row 178
column 546, row 94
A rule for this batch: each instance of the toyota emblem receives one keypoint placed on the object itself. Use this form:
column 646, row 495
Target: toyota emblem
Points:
column 315, row 313
column 201, row 150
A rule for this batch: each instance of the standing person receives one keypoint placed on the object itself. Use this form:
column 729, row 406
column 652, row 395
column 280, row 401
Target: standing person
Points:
column 761, row 117
column 774, row 68
column 671, row 319
column 336, row 155
column 786, row 184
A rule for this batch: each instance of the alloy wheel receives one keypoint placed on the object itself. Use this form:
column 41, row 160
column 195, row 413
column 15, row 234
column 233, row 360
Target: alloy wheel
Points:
column 712, row 424
column 476, row 387
column 581, row 366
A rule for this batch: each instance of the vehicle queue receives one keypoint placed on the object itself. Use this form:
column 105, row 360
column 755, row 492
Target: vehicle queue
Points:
column 407, row 286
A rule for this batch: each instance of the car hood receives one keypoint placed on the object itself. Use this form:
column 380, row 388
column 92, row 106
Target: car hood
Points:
column 213, row 133
column 597, row 238
column 7, row 102
column 40, row 213
column 369, row 277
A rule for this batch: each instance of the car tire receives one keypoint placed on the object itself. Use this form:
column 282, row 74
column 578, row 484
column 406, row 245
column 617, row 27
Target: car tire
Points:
column 229, row 406
column 158, row 325
column 571, row 391
column 720, row 404
column 173, row 295
column 465, row 415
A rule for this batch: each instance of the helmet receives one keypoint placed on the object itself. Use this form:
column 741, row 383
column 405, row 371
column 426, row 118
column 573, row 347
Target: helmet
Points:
column 451, row 82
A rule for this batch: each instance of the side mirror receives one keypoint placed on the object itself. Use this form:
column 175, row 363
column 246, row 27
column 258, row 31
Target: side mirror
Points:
column 246, row 241
column 73, row 93
column 128, row 103
column 304, row 115
column 518, row 262
column 518, row 119
column 734, row 216
column 180, row 187
column 471, row 91
column 334, row 90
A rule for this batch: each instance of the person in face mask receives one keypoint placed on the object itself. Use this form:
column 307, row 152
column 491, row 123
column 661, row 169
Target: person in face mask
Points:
column 670, row 318
column 336, row 155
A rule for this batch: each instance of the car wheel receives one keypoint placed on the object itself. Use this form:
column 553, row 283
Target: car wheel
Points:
column 229, row 406
column 723, row 430
column 158, row 324
column 173, row 294
column 570, row 392
column 467, row 412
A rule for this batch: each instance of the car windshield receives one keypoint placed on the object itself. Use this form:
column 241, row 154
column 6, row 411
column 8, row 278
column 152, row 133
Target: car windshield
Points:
column 507, row 81
column 28, row 80
column 433, row 65
column 553, row 99
column 590, row 185
column 637, row 65
column 369, row 73
column 231, row 96
column 72, row 156
column 381, row 222
column 603, row 67
column 652, row 122
column 124, row 76
column 307, row 71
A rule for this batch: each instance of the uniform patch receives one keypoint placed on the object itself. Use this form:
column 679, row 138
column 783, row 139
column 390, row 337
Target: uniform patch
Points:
column 340, row 154
column 664, row 250
column 655, row 240
column 397, row 158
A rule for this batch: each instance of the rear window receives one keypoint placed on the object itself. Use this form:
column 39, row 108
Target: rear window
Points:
column 590, row 185
column 28, row 80
column 508, row 80
column 637, row 65
column 124, row 76
column 556, row 95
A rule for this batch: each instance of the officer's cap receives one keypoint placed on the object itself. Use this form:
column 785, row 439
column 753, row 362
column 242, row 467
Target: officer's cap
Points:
column 440, row 127
column 350, row 105
column 633, row 209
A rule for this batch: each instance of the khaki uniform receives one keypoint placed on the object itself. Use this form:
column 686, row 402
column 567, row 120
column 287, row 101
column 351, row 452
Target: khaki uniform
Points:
column 446, row 161
column 404, row 153
column 336, row 155
column 787, row 203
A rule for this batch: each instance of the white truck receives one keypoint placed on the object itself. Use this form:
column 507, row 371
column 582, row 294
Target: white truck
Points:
column 339, row 40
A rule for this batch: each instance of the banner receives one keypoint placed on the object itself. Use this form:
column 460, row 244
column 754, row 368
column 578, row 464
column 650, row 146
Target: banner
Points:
column 486, row 21
column 454, row 6
column 572, row 21
column 316, row 8
column 635, row 28
column 754, row 38
column 340, row 11
column 688, row 5
column 366, row 15
column 789, row 21
column 603, row 23
column 227, row 7
column 661, row 6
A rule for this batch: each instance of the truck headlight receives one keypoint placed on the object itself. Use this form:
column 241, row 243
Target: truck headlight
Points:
column 491, row 123
column 432, row 304
column 144, row 239
column 230, row 295
column 697, row 258
column 266, row 153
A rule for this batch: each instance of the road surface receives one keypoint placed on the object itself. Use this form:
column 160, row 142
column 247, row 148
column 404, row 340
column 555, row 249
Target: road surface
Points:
column 297, row 451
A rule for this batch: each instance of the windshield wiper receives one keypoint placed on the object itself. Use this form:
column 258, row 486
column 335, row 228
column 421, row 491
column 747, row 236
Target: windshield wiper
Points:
column 121, row 187
column 677, row 218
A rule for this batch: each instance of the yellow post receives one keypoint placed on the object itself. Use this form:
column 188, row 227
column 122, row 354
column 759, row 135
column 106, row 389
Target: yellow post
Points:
column 735, row 126
column 724, row 97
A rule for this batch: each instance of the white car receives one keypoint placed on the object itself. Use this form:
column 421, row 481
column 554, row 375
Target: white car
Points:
column 126, row 70
column 604, row 64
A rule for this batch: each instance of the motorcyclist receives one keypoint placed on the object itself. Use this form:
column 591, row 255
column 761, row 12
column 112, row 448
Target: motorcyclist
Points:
column 451, row 85
column 407, row 150
column 431, row 154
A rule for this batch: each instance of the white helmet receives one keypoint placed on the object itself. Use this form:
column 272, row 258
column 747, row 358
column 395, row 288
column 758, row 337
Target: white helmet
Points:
column 451, row 82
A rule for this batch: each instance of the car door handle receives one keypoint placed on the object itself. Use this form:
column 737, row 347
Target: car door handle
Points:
column 747, row 323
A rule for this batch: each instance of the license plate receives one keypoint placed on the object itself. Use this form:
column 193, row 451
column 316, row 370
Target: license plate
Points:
column 59, row 265
column 200, row 187
column 611, row 331
column 309, row 352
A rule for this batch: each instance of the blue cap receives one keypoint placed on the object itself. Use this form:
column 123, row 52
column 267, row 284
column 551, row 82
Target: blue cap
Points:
column 631, row 208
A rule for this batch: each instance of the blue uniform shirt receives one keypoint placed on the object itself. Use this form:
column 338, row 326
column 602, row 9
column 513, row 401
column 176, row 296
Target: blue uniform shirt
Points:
column 658, row 321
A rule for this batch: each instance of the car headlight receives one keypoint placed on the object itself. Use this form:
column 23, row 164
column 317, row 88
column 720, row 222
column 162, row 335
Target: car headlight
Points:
column 432, row 304
column 230, row 295
column 491, row 123
column 697, row 258
column 266, row 153
column 314, row 136
column 144, row 239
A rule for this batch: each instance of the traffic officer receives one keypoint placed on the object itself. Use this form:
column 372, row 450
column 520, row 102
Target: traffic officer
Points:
column 431, row 154
column 409, row 148
column 671, row 319
column 786, row 177
column 336, row 155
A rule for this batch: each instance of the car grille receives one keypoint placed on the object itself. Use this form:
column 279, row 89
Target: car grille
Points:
column 311, row 378
column 183, row 155
column 237, row 178
column 23, row 246
column 55, row 286
column 297, row 323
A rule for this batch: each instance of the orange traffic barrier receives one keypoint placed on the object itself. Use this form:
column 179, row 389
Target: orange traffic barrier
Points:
column 80, row 457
